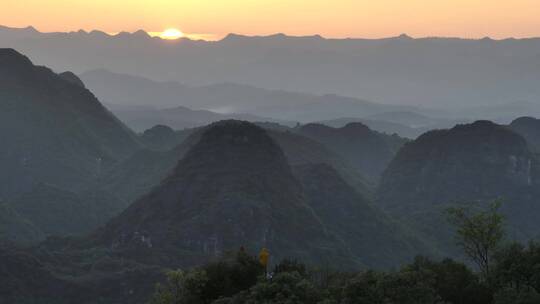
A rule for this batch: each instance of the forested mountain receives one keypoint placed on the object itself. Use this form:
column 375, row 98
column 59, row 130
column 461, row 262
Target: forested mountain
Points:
column 373, row 237
column 234, row 188
column 481, row 161
column 145, row 169
column 55, row 133
column 52, row 130
column 367, row 151
column 57, row 212
column 17, row 229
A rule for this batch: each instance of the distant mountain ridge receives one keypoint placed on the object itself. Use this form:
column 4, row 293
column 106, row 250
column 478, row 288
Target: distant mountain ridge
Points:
column 123, row 92
column 398, row 70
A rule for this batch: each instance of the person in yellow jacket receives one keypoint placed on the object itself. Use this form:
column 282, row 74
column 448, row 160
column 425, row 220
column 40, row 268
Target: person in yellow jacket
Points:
column 264, row 256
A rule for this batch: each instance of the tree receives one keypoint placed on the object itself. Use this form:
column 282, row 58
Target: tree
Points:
column 290, row 265
column 516, row 272
column 181, row 287
column 479, row 233
column 224, row 278
column 454, row 282
column 285, row 287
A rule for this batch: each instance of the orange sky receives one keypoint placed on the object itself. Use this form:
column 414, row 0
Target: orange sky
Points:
column 330, row 18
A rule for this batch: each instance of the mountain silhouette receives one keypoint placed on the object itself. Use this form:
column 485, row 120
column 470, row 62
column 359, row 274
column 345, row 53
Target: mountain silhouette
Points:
column 53, row 130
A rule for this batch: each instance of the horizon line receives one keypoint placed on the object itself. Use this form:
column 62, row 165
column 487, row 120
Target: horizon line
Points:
column 199, row 36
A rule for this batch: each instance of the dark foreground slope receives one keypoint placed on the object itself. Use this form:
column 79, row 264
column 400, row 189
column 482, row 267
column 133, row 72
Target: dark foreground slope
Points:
column 66, row 277
column 475, row 162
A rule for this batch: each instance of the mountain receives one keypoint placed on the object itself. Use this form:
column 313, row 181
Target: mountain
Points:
column 376, row 125
column 481, row 161
column 368, row 152
column 127, row 96
column 411, row 119
column 131, row 90
column 15, row 228
column 57, row 140
column 23, row 276
column 53, row 130
column 444, row 72
column 529, row 128
column 145, row 169
column 71, row 77
column 162, row 138
column 367, row 232
column 30, row 276
column 240, row 185
column 59, row 212
column 404, row 124
column 233, row 188
column 141, row 118
column 301, row 150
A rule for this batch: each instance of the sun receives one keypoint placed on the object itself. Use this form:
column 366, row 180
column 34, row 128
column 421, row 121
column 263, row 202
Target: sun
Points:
column 171, row 34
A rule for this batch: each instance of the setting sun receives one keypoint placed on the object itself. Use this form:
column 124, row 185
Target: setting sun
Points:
column 171, row 34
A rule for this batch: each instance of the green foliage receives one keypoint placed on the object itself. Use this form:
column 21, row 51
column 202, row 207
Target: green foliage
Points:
column 181, row 287
column 364, row 288
column 454, row 282
column 284, row 287
column 513, row 296
column 422, row 282
column 223, row 278
column 517, row 273
column 479, row 233
column 289, row 265
column 231, row 275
